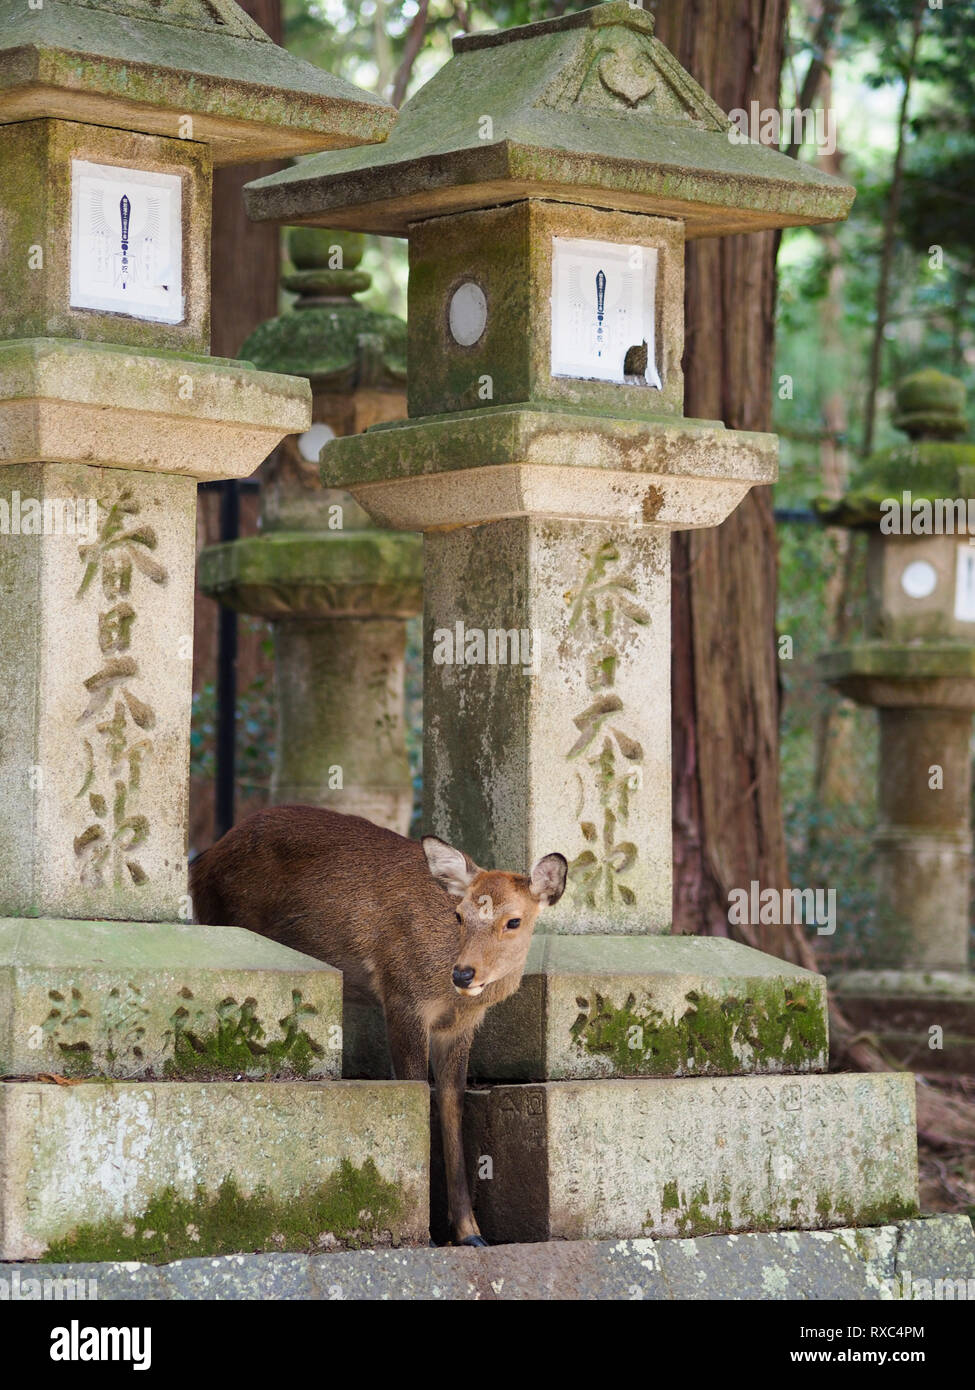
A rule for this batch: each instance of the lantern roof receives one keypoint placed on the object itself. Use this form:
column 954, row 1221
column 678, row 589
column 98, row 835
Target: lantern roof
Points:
column 929, row 407
column 589, row 108
column 143, row 64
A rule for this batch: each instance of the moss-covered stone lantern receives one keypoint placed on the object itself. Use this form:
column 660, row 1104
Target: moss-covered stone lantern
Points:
column 337, row 591
column 112, row 114
column 915, row 664
column 547, row 179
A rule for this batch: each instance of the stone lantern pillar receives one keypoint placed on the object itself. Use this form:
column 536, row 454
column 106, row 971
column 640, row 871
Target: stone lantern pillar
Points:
column 112, row 115
column 915, row 664
column 337, row 591
column 547, row 178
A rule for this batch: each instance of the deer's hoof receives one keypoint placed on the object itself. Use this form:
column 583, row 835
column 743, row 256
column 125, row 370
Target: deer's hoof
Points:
column 478, row 1241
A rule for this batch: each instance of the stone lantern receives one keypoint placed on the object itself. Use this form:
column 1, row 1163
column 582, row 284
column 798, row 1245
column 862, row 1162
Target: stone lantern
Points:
column 112, row 115
column 547, row 178
column 337, row 591
column 915, row 664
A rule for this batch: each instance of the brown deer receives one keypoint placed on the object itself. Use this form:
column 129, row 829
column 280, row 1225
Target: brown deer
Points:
column 417, row 926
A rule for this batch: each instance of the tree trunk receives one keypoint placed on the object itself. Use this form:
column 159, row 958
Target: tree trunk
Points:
column 244, row 258
column 890, row 235
column 728, row 825
column 245, row 272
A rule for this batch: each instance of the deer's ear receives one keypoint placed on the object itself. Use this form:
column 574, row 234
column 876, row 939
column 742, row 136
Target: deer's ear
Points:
column 453, row 869
column 548, row 879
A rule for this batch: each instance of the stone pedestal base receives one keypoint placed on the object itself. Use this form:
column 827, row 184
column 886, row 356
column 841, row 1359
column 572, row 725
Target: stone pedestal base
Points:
column 158, row 1000
column 924, row 694
column 152, row 1171
column 929, row 1259
column 602, row 1006
column 575, row 1160
column 925, row 1020
column 605, row 1006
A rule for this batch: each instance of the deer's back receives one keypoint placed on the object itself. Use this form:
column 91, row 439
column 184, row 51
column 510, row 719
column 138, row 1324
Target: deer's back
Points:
column 336, row 887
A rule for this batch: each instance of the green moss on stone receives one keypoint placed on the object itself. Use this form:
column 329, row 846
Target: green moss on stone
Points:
column 237, row 1043
column 321, row 341
column 774, row 1022
column 704, row 1213
column 927, row 469
column 356, row 1206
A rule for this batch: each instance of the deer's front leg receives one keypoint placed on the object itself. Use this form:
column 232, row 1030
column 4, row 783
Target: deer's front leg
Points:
column 450, row 1052
column 409, row 1045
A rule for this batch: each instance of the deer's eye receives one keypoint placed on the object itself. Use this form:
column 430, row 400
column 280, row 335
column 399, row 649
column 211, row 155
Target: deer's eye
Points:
column 459, row 918
column 512, row 923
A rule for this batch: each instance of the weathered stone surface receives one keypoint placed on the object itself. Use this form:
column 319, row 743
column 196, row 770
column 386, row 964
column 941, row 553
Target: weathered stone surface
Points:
column 507, row 253
column 205, row 72
column 138, row 999
column 138, row 1170
column 341, row 719
column 923, row 839
column 302, row 574
column 475, row 466
column 107, row 406
column 924, row 985
column 922, row 1259
column 96, row 644
column 916, row 665
column 36, row 206
column 925, row 1019
column 586, row 1159
column 599, row 1006
column 895, row 675
column 901, row 618
column 570, row 703
column 588, row 108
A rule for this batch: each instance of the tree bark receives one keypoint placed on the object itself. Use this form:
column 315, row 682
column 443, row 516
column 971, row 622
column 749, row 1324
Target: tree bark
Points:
column 890, row 235
column 728, row 826
column 245, row 271
column 414, row 42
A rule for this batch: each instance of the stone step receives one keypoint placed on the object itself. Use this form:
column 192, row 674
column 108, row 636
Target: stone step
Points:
column 161, row 1000
column 932, row 1258
column 156, row 1170
column 605, row 1006
column 575, row 1160
column 924, row 1019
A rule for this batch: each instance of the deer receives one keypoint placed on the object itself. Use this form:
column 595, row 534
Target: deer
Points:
column 416, row 926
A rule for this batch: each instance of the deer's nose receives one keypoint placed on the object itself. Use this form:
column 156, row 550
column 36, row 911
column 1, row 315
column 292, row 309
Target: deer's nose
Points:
column 462, row 975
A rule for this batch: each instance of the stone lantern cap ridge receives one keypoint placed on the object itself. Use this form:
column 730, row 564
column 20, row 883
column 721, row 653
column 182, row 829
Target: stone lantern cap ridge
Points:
column 930, row 404
column 145, row 65
column 588, row 109
column 903, row 675
column 110, row 406
column 934, row 463
column 420, row 475
column 324, row 341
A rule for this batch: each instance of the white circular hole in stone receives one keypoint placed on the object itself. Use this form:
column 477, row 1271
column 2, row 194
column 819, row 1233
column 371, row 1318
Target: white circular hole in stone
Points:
column 313, row 441
column 467, row 316
column 919, row 579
